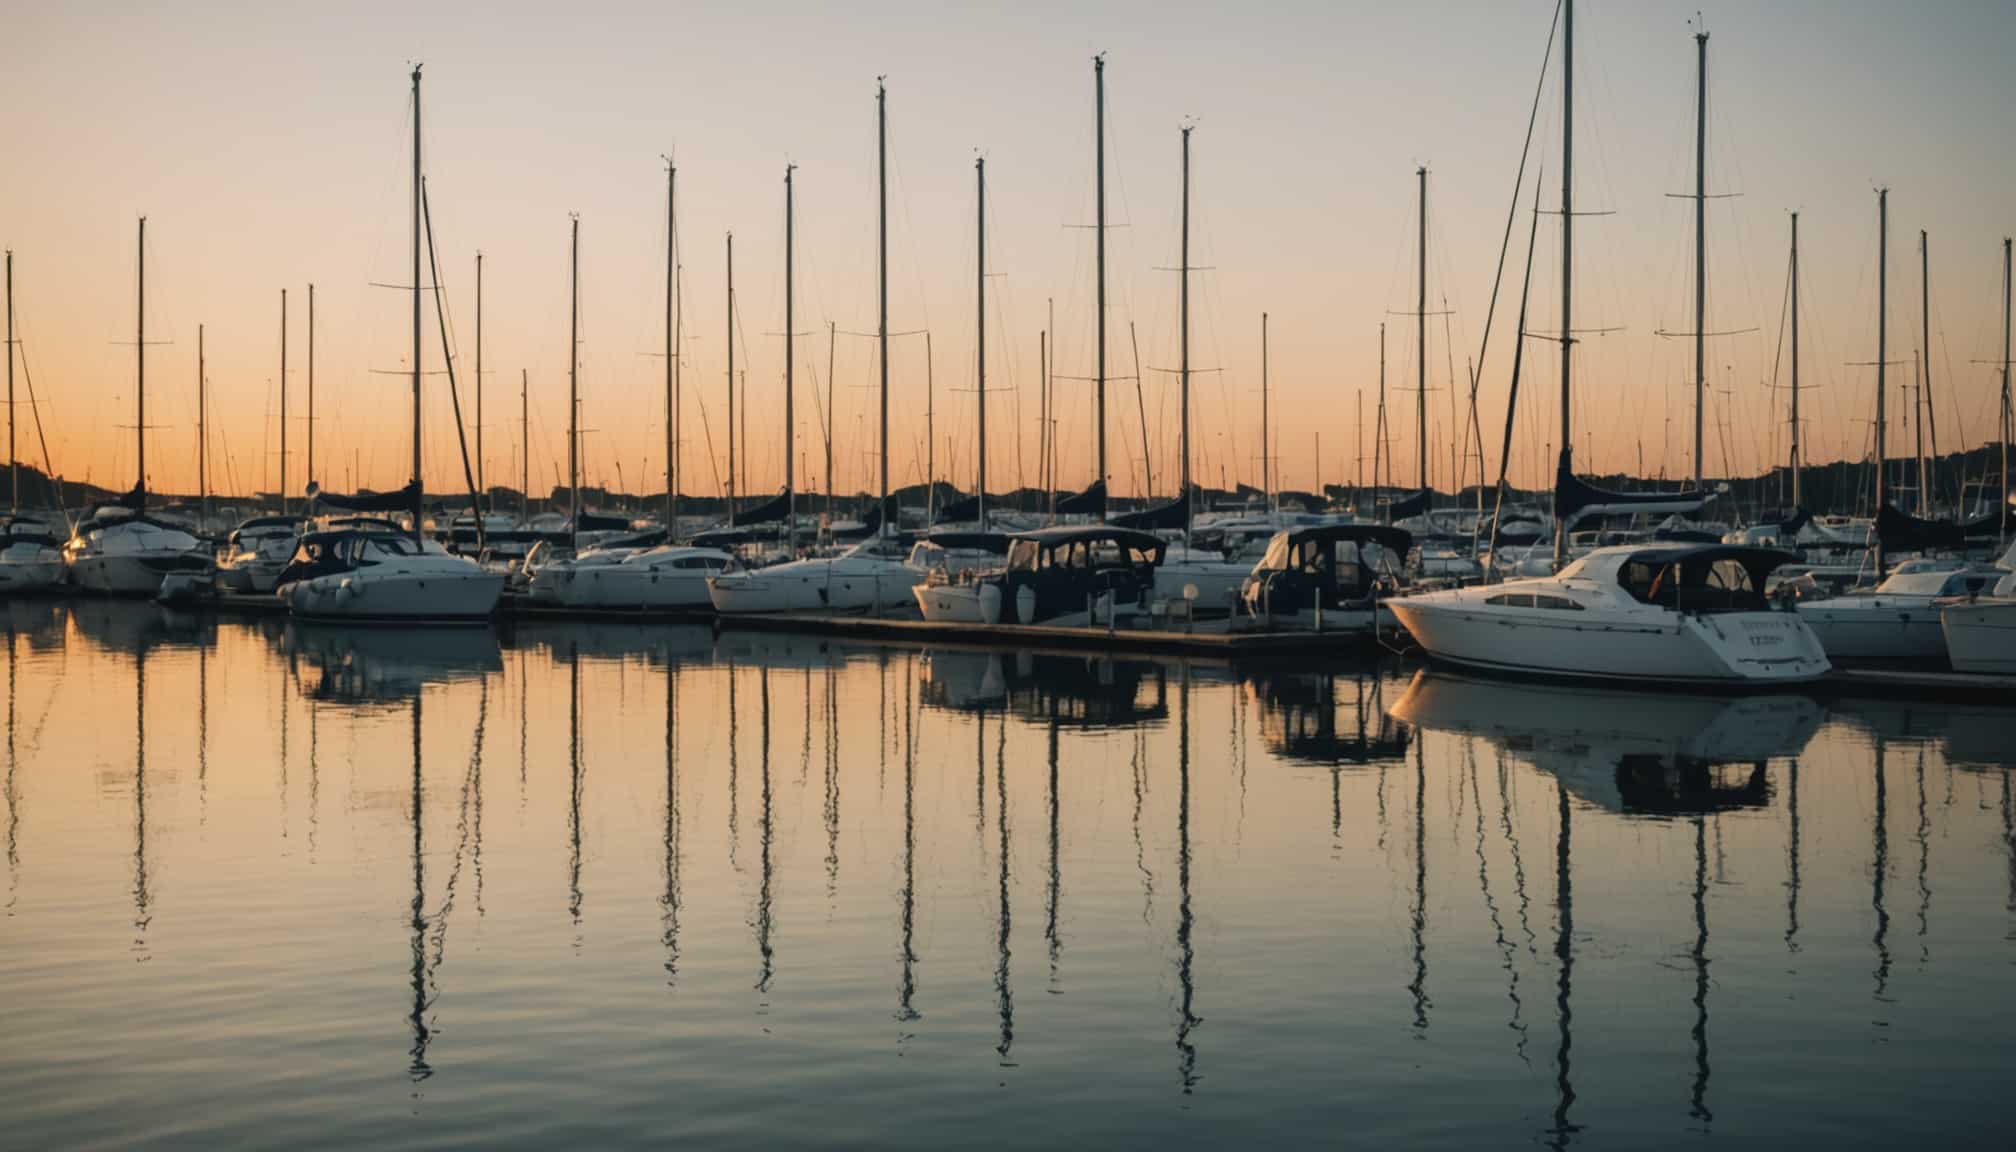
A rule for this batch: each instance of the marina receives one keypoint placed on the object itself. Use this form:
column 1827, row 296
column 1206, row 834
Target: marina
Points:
column 1154, row 599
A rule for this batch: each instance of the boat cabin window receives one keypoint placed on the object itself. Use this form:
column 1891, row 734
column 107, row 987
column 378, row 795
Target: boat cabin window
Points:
column 1276, row 559
column 1023, row 556
column 1694, row 584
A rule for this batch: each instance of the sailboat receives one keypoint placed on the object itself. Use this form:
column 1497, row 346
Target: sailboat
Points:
column 873, row 577
column 1655, row 613
column 116, row 549
column 367, row 573
column 1980, row 632
column 31, row 559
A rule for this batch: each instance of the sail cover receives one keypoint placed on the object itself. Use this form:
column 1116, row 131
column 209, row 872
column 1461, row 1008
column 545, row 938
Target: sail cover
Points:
column 365, row 500
column 1090, row 502
column 767, row 512
column 1574, row 497
column 1163, row 516
column 1408, row 506
column 1902, row 530
column 597, row 522
column 136, row 499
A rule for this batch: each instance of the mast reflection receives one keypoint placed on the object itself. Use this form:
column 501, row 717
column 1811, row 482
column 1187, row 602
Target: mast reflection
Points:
column 763, row 921
column 1187, row 1019
column 670, row 901
column 1792, row 860
column 418, row 1069
column 1879, row 871
column 906, row 988
column 143, row 900
column 1418, row 921
column 1564, row 960
column 1507, row 951
column 1003, row 990
column 574, row 783
column 1051, row 897
column 1699, row 1108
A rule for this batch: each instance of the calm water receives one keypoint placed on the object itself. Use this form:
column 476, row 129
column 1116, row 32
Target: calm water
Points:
column 615, row 885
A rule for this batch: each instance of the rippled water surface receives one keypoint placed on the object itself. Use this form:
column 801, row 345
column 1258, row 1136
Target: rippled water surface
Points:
column 626, row 885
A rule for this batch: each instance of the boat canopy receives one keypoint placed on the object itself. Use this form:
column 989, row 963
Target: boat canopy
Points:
column 1397, row 541
column 1902, row 530
column 1701, row 578
column 1026, row 549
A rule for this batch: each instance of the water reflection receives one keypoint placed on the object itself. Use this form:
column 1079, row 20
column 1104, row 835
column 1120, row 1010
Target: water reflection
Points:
column 1174, row 885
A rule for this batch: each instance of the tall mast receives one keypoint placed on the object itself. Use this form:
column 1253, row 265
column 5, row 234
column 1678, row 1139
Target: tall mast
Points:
column 1882, row 351
column 832, row 336
column 1099, row 232
column 1184, row 308
column 731, row 379
column 1421, row 335
column 574, row 380
column 2002, row 513
column 283, row 401
column 881, row 293
column 482, row 486
column 525, row 444
column 13, row 462
column 1918, row 359
column 419, row 489
column 202, row 431
column 140, row 357
column 672, row 348
column 980, row 323
column 1567, row 249
column 790, row 425
column 1266, row 472
column 1931, row 418
column 1700, row 243
column 311, row 381
column 1797, row 463
column 930, row 437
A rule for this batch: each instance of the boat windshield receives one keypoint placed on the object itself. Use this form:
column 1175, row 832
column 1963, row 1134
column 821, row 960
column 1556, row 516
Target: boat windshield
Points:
column 1702, row 583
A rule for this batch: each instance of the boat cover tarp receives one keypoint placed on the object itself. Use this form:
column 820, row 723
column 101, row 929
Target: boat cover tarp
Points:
column 767, row 512
column 598, row 522
column 136, row 499
column 1408, row 506
column 1090, row 502
column 1901, row 530
column 1162, row 516
column 365, row 500
column 1574, row 496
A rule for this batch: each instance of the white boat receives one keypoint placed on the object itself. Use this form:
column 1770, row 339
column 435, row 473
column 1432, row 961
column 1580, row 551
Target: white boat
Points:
column 1900, row 618
column 31, row 558
column 1215, row 579
column 872, row 578
column 1669, row 613
column 256, row 552
column 1980, row 634
column 666, row 577
column 382, row 577
column 118, row 552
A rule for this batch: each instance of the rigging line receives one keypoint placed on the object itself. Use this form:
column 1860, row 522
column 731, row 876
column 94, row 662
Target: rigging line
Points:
column 48, row 469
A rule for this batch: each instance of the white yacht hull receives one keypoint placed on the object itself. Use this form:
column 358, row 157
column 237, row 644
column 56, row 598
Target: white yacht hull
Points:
column 126, row 574
column 1727, row 648
column 396, row 597
column 1981, row 636
column 815, row 587
column 1874, row 628
column 621, row 586
column 953, row 603
column 18, row 579
column 1217, row 583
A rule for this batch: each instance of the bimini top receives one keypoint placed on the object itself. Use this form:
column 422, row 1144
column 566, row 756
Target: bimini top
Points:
column 1072, row 533
column 1689, row 577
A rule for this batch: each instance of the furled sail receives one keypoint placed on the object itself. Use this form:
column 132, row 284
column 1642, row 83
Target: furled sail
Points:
column 365, row 500
column 1574, row 497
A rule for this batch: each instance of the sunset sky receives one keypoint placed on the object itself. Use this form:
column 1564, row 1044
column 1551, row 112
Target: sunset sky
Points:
column 268, row 145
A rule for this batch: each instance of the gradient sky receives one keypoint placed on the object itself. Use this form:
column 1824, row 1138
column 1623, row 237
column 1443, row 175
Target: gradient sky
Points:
column 268, row 146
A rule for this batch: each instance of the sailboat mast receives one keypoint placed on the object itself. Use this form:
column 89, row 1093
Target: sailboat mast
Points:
column 13, row 462
column 881, row 290
column 1099, row 232
column 672, row 348
column 1882, row 353
column 832, row 337
column 1796, row 463
column 980, row 323
column 790, row 423
column 574, row 379
column 202, row 431
column 1918, row 359
column 482, row 486
column 1379, row 432
column 731, row 379
column 1931, row 417
column 1567, row 252
column 1421, row 334
column 525, row 444
column 2002, row 513
column 419, row 489
column 1700, row 244
column 283, row 401
column 930, row 437
column 311, row 377
column 1266, row 474
column 1183, row 496
column 140, row 358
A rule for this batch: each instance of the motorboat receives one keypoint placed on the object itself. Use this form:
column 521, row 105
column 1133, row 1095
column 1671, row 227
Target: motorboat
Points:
column 1900, row 618
column 116, row 551
column 1329, row 578
column 1204, row 577
column 1674, row 613
column 1980, row 630
column 31, row 557
column 256, row 552
column 1075, row 575
column 871, row 578
column 667, row 577
column 371, row 576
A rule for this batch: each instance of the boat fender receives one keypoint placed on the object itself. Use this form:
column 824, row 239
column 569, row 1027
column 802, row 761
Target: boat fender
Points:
column 990, row 603
column 1025, row 605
